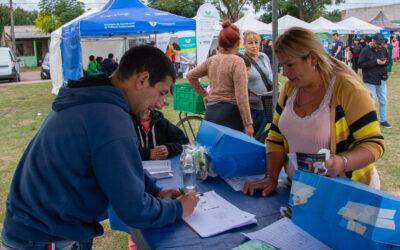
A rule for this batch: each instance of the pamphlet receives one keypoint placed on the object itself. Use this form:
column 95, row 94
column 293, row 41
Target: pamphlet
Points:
column 301, row 161
column 286, row 235
column 158, row 169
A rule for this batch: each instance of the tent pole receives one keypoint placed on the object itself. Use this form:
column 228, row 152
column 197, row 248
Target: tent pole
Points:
column 274, row 59
column 125, row 44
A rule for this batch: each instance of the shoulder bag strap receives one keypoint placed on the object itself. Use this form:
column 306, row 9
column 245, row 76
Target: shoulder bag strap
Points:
column 266, row 81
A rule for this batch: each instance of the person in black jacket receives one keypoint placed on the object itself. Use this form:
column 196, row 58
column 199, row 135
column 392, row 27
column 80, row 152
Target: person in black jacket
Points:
column 109, row 65
column 355, row 52
column 158, row 137
column 373, row 61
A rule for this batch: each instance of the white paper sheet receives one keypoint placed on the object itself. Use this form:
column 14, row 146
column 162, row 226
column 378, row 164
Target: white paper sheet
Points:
column 284, row 234
column 214, row 215
column 158, row 169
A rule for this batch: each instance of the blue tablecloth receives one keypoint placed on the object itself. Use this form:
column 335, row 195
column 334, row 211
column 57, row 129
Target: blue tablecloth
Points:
column 179, row 236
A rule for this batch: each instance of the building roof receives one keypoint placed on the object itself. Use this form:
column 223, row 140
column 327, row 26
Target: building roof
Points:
column 25, row 32
column 382, row 21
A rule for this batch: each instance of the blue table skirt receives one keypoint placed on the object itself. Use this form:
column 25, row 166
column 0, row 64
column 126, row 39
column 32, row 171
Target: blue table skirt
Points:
column 179, row 236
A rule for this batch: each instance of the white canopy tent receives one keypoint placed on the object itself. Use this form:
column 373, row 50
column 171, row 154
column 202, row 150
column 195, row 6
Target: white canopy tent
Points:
column 331, row 27
column 250, row 23
column 55, row 53
column 356, row 25
column 286, row 22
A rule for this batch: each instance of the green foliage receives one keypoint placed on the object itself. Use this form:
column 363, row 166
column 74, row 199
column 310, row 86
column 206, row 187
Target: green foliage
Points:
column 186, row 8
column 307, row 10
column 231, row 10
column 55, row 13
column 21, row 17
column 334, row 16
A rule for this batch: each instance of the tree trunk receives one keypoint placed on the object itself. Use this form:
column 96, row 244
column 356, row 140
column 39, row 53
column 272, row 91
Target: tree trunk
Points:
column 300, row 9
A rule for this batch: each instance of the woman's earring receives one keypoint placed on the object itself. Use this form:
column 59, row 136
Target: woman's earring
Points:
column 314, row 67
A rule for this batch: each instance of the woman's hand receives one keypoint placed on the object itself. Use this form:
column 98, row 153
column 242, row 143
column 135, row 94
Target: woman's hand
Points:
column 267, row 185
column 335, row 165
column 205, row 99
column 249, row 130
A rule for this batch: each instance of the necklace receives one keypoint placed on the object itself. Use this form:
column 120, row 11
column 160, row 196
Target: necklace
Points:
column 299, row 105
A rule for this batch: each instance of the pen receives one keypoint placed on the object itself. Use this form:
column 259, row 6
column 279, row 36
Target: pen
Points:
column 182, row 191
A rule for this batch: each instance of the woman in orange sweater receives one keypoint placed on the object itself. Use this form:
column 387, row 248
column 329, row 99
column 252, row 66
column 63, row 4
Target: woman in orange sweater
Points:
column 228, row 102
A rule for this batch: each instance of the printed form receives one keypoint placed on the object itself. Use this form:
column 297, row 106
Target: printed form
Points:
column 214, row 215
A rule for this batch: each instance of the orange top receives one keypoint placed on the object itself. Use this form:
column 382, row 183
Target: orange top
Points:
column 169, row 52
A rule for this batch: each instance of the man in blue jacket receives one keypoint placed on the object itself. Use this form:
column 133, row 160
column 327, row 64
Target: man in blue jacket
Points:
column 85, row 157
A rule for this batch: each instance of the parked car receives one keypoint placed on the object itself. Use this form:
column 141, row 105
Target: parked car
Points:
column 9, row 66
column 45, row 73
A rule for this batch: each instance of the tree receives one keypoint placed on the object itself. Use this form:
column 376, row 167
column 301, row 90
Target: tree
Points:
column 55, row 13
column 21, row 17
column 186, row 8
column 307, row 10
column 334, row 16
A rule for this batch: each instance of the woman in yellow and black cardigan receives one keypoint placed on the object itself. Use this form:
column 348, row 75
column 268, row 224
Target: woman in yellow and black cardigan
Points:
column 349, row 127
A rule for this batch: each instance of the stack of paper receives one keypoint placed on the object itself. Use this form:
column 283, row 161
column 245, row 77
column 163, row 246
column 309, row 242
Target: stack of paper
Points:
column 158, row 169
column 214, row 215
column 286, row 235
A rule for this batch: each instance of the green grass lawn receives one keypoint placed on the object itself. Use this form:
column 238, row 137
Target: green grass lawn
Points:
column 26, row 69
column 24, row 107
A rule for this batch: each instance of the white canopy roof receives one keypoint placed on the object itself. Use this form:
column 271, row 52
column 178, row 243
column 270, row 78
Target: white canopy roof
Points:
column 331, row 26
column 286, row 22
column 250, row 23
column 357, row 25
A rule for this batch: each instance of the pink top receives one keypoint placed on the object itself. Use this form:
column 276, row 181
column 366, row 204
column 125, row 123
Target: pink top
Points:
column 310, row 133
column 395, row 52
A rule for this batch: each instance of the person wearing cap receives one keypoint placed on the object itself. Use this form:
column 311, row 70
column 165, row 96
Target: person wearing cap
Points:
column 373, row 61
column 337, row 47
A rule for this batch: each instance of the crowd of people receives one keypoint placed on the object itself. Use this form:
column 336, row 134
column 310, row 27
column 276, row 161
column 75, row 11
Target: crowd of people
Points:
column 110, row 121
column 98, row 65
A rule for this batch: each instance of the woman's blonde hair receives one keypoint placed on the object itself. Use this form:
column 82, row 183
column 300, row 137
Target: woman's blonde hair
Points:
column 299, row 42
column 248, row 34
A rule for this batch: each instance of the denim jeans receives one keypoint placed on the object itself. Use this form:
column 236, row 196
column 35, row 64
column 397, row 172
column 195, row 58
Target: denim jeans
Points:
column 9, row 242
column 381, row 92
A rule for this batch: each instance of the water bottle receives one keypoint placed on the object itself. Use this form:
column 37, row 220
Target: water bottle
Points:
column 189, row 173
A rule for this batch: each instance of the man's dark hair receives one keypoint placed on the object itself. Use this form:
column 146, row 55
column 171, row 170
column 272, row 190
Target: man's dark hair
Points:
column 91, row 58
column 335, row 34
column 99, row 58
column 110, row 56
column 146, row 58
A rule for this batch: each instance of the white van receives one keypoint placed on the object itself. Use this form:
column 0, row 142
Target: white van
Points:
column 9, row 67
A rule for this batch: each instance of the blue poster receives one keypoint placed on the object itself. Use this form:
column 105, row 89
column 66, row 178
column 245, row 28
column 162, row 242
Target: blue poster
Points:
column 324, row 37
column 386, row 34
column 188, row 53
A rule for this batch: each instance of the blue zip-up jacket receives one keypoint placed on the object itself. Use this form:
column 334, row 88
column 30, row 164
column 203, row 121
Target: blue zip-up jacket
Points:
column 83, row 158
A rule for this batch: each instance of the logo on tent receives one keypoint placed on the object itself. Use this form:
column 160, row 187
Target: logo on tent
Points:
column 188, row 40
column 153, row 23
column 208, row 12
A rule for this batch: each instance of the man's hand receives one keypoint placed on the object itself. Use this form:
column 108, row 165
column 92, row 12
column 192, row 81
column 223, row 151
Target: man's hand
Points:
column 168, row 193
column 189, row 202
column 381, row 62
column 159, row 153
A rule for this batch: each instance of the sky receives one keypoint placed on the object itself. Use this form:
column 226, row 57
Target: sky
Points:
column 33, row 4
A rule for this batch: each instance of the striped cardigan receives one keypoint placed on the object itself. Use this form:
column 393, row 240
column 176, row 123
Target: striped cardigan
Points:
column 354, row 124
